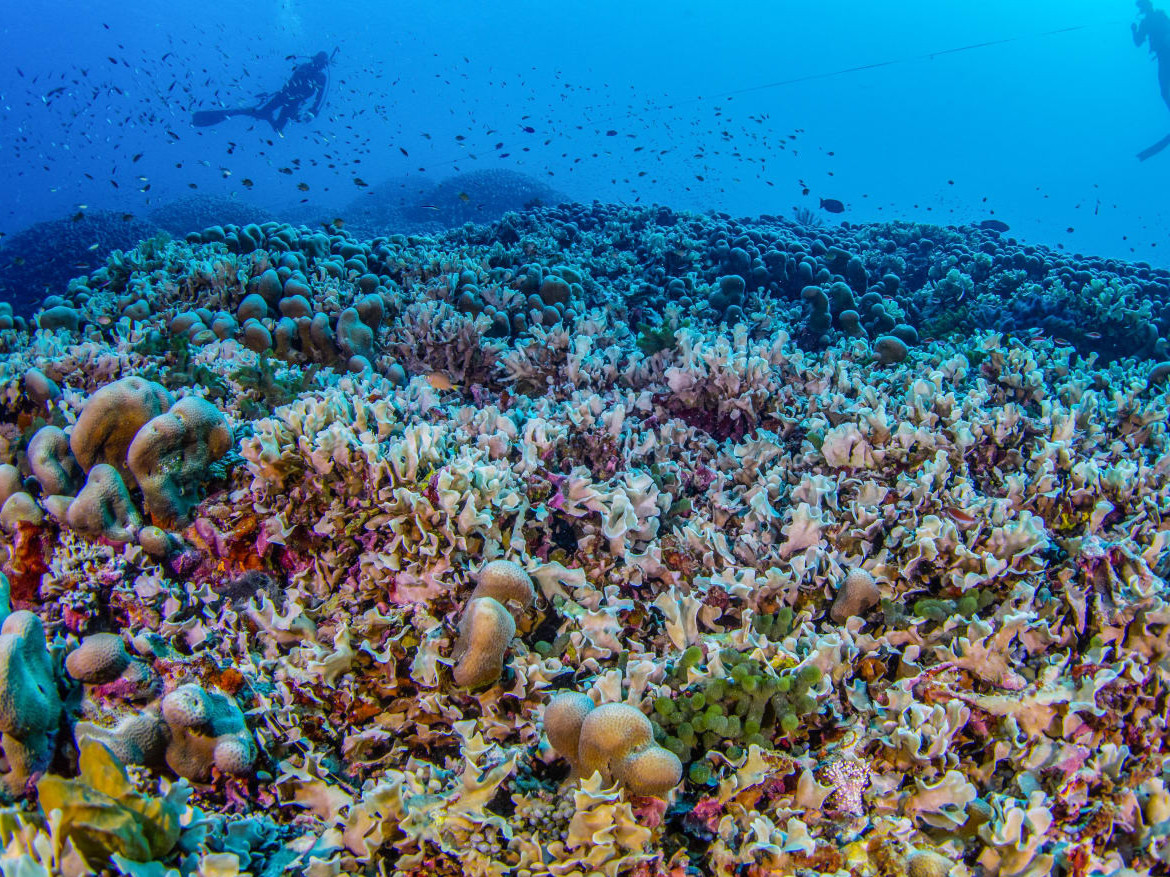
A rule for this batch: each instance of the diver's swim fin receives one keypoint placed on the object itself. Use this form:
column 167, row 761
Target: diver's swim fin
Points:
column 1151, row 151
column 203, row 118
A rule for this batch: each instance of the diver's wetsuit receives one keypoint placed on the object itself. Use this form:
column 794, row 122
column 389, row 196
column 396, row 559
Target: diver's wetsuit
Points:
column 309, row 82
column 1154, row 27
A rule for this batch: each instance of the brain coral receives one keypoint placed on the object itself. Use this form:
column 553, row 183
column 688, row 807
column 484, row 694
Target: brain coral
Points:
column 104, row 509
column 170, row 454
column 504, row 581
column 29, row 704
column 485, row 630
column 111, row 418
column 615, row 740
column 101, row 657
column 52, row 462
column 207, row 730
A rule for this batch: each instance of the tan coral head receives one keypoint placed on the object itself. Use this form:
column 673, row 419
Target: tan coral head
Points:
column 615, row 740
column 485, row 632
column 505, row 581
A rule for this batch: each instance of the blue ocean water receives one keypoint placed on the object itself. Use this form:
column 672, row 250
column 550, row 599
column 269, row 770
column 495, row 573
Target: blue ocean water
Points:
column 1030, row 113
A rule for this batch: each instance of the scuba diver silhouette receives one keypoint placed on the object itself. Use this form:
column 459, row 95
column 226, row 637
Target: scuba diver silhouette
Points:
column 1153, row 27
column 309, row 82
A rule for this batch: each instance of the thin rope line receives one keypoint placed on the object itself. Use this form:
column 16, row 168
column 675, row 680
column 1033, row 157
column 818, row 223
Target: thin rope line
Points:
column 823, row 75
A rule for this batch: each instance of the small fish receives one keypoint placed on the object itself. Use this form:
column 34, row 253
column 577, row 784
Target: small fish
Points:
column 1093, row 336
column 832, row 205
column 611, row 133
column 93, row 247
column 338, row 222
column 528, row 129
column 429, row 207
column 304, row 187
column 248, row 184
column 463, row 196
column 440, row 381
column 358, row 181
column 993, row 225
column 404, row 152
column 961, row 517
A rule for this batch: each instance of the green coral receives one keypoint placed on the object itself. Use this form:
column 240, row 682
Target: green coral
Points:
column 103, row 815
column 178, row 369
column 654, row 339
column 751, row 704
column 774, row 625
column 940, row 609
column 273, row 390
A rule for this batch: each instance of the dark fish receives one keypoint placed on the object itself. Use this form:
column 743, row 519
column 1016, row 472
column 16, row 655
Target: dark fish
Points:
column 304, row 187
column 248, row 184
column 832, row 205
column 358, row 181
column 528, row 129
column 993, row 225
column 136, row 157
column 463, row 196
column 611, row 133
column 404, row 152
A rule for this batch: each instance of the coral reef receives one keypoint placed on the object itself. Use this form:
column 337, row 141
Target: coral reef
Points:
column 595, row 540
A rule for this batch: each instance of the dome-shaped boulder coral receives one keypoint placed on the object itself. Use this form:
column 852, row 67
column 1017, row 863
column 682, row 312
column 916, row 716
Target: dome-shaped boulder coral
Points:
column 170, row 455
column 59, row 317
column 890, row 349
column 52, row 462
column 139, row 738
column 103, row 509
column 112, row 417
column 485, row 632
column 615, row 740
column 40, row 387
column 20, row 508
column 101, row 657
column 207, row 729
column 353, row 336
column 30, row 707
column 856, row 595
column 506, row 582
column 562, row 722
column 10, row 482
